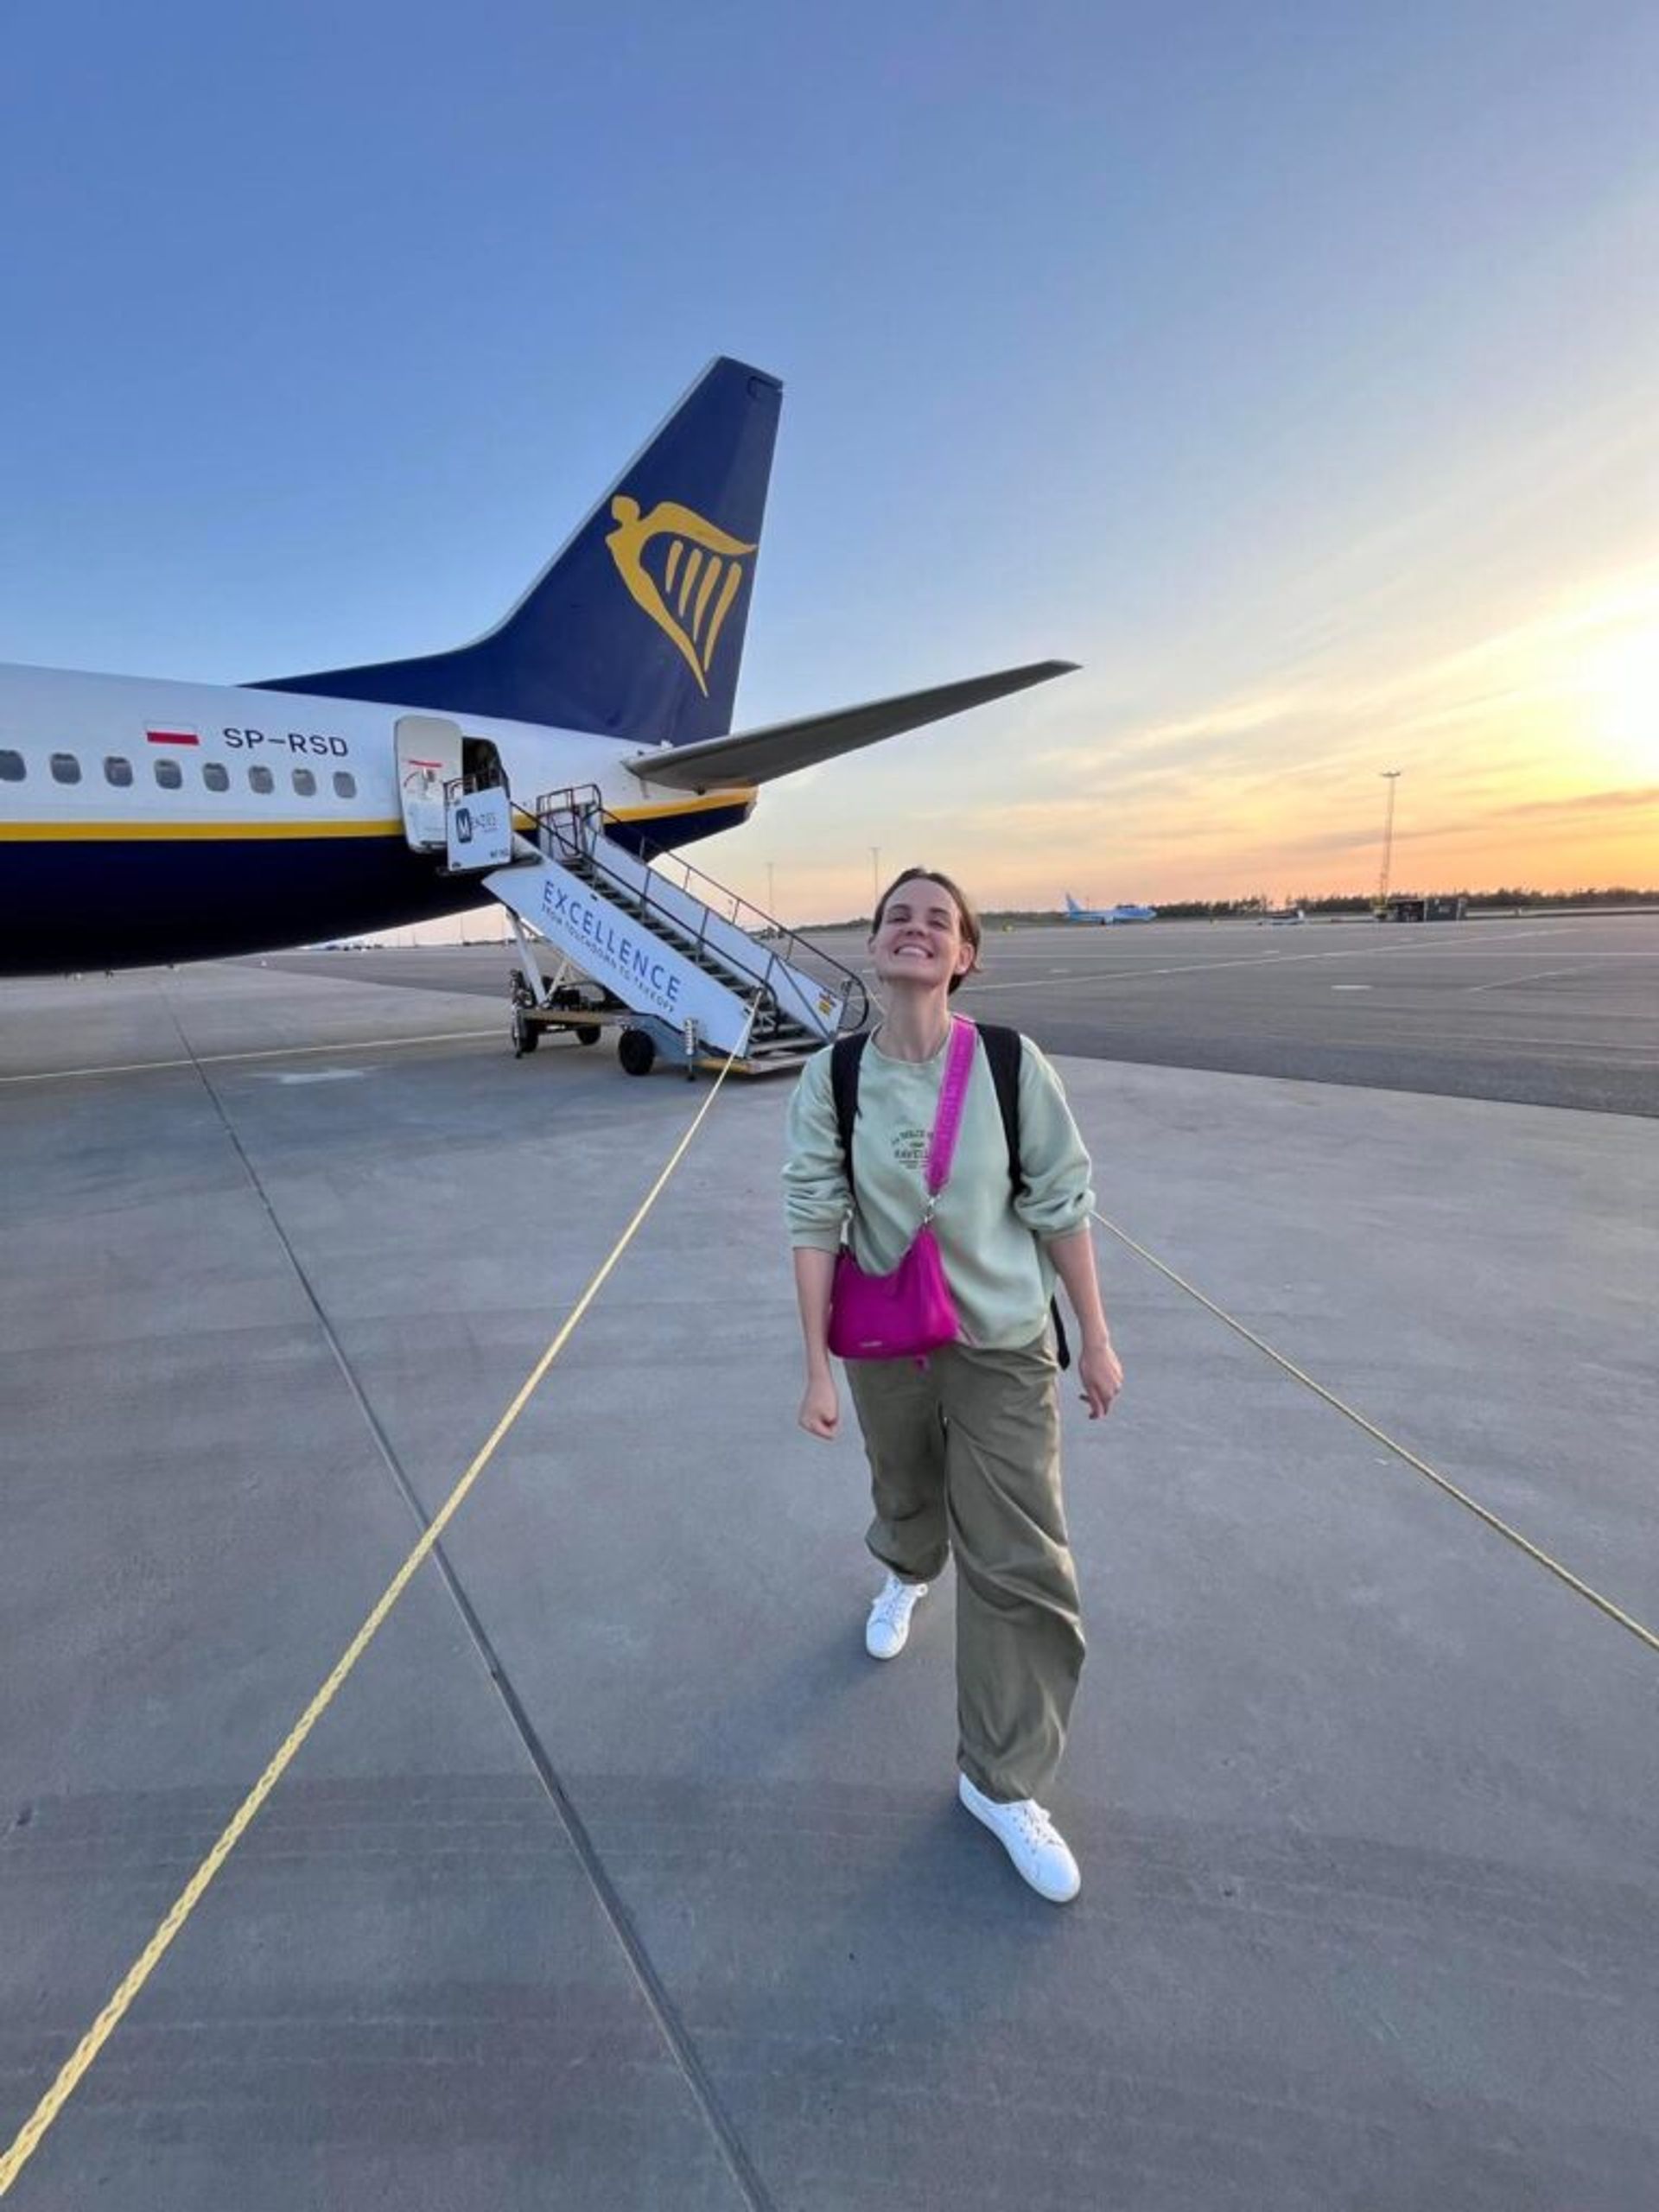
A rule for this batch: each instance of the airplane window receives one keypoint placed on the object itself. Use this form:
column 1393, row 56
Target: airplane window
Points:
column 65, row 769
column 12, row 768
column 168, row 775
column 305, row 783
column 117, row 771
column 345, row 784
column 261, row 779
column 216, row 775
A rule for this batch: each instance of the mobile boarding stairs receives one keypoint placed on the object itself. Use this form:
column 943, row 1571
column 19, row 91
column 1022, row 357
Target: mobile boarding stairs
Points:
column 684, row 967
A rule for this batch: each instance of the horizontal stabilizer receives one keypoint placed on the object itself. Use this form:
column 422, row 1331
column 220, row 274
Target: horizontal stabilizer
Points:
column 756, row 756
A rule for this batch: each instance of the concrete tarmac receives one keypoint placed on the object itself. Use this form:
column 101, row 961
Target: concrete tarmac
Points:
column 1540, row 1010
column 615, row 1874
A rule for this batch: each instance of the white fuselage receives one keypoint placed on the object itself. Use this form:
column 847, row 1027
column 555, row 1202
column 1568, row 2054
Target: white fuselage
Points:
column 143, row 820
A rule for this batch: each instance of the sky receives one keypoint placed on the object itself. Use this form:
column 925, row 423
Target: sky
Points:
column 1291, row 367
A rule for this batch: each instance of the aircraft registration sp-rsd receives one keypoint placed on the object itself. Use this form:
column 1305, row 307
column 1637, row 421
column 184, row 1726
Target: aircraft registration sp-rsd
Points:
column 144, row 820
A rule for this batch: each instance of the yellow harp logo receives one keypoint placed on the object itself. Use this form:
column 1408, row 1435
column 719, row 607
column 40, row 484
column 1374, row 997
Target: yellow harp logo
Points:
column 699, row 574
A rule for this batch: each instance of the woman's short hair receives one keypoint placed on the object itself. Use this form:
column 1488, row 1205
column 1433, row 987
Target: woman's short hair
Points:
column 968, row 918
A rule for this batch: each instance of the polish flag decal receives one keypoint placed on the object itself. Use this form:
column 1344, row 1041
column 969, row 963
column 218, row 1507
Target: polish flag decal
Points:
column 173, row 736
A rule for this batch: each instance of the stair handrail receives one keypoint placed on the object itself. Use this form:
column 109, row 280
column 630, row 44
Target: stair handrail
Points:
column 584, row 805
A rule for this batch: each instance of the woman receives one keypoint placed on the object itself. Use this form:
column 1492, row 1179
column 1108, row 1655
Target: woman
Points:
column 964, row 1448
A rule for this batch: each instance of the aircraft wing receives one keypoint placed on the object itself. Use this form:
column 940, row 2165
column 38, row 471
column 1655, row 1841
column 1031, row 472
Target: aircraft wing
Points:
column 755, row 756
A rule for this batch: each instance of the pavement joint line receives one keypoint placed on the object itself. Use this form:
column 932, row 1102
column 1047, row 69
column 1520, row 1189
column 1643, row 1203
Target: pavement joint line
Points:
column 1246, row 960
column 257, row 1053
column 1533, row 1552
column 1532, row 976
column 652, row 1991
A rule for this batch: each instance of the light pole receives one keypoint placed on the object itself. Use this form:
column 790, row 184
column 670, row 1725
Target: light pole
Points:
column 771, row 894
column 1390, row 777
column 875, row 878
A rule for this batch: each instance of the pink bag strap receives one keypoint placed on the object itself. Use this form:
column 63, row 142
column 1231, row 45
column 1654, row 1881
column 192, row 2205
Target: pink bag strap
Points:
column 953, row 1092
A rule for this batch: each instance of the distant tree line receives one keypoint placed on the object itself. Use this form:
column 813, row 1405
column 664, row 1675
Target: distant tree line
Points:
column 1328, row 903
column 1335, row 903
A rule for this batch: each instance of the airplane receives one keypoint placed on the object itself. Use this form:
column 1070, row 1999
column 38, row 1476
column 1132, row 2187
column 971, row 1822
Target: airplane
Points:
column 143, row 821
column 1107, row 916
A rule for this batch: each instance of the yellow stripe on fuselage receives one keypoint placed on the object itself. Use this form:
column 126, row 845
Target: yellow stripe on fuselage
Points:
column 740, row 795
column 234, row 832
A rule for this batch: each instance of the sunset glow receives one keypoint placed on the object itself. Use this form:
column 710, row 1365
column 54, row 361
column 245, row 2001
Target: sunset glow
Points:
column 1529, row 756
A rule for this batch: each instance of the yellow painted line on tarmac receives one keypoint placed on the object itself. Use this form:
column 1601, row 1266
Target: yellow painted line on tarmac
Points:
column 1533, row 1552
column 28, row 2137
column 260, row 1052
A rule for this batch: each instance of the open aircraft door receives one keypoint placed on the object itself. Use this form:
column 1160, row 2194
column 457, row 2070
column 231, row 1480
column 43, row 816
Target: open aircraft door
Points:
column 429, row 757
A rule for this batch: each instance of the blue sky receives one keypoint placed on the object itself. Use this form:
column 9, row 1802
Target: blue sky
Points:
column 1291, row 367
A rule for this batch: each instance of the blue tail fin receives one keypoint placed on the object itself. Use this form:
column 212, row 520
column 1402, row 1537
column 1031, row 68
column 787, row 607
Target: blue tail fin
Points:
column 635, row 629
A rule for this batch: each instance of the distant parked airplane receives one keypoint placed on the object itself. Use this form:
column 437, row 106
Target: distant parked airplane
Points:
column 1107, row 915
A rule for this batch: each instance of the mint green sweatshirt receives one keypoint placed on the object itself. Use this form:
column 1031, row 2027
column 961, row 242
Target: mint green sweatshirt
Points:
column 991, row 1241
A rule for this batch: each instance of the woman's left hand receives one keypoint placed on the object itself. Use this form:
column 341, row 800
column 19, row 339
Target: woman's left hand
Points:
column 1100, row 1373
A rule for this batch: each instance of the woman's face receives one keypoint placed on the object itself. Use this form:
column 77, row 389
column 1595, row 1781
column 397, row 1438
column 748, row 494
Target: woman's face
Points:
column 920, row 939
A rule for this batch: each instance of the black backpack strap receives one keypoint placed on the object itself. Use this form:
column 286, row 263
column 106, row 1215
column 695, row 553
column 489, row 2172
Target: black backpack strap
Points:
column 844, row 1056
column 1004, row 1049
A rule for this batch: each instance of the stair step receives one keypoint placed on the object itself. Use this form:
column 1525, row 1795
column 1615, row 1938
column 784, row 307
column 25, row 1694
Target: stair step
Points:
column 692, row 920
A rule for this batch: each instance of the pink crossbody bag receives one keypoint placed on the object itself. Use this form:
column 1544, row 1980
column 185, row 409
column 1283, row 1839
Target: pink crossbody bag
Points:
column 910, row 1312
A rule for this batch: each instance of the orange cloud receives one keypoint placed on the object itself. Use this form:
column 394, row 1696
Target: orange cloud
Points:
column 1504, row 745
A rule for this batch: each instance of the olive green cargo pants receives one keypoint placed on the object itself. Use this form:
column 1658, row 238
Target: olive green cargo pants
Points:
column 964, row 1460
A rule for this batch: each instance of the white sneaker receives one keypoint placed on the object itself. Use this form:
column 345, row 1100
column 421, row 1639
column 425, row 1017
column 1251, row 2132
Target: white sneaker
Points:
column 887, row 1630
column 1031, row 1840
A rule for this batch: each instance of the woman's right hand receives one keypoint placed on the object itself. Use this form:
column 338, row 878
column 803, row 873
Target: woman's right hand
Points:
column 820, row 1414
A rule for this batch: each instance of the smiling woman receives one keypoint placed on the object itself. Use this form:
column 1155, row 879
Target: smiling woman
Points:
column 924, row 926
column 901, row 1144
